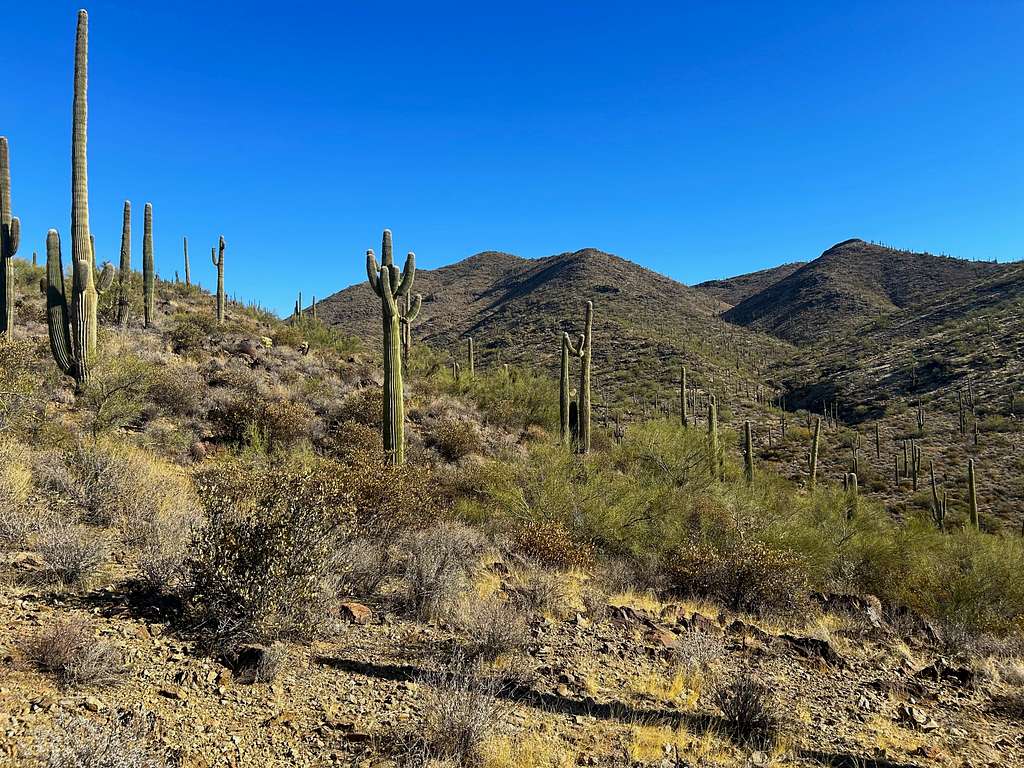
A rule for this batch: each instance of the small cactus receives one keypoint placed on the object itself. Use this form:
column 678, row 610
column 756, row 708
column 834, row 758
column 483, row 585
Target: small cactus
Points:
column 148, row 270
column 10, row 236
column 124, row 272
column 938, row 505
column 390, row 285
column 217, row 257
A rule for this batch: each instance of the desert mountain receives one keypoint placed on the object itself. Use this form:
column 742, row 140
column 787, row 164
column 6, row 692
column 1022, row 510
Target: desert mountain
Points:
column 732, row 290
column 516, row 309
column 850, row 283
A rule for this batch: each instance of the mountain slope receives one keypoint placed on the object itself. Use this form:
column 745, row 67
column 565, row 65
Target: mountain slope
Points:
column 848, row 284
column 516, row 309
column 732, row 290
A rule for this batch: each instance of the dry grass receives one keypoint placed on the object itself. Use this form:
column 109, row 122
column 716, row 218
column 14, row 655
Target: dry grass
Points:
column 439, row 568
column 70, row 651
column 751, row 715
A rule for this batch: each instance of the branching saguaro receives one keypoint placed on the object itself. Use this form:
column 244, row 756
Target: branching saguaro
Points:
column 124, row 272
column 72, row 325
column 583, row 349
column 390, row 285
column 148, row 268
column 10, row 236
column 217, row 256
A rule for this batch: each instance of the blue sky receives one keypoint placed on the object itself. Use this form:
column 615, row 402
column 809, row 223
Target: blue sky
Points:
column 698, row 139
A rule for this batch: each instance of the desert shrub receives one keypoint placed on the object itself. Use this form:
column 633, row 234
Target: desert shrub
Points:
column 456, row 438
column 439, row 564
column 519, row 402
column 362, row 565
column 389, row 499
column 268, row 666
column 461, row 710
column 699, row 650
column 19, row 381
column 177, row 390
column 352, row 440
column 70, row 651
column 74, row 741
column 117, row 391
column 540, row 591
column 364, row 406
column 16, row 519
column 493, row 627
column 191, row 331
column 71, row 554
column 317, row 334
column 260, row 570
column 751, row 715
column 745, row 575
column 250, row 417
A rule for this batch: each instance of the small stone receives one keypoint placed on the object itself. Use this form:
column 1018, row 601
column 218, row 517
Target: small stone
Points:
column 354, row 613
column 93, row 704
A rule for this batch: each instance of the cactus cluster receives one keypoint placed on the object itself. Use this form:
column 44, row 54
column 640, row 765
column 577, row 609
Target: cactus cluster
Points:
column 10, row 235
column 72, row 324
column 390, row 285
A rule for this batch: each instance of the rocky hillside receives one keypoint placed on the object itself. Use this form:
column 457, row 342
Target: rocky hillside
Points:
column 516, row 309
column 732, row 290
column 851, row 282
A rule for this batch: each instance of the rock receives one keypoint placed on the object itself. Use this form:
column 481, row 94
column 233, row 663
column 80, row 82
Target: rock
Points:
column 27, row 561
column 354, row 613
column 93, row 704
column 916, row 718
column 941, row 671
column 173, row 692
column 248, row 347
column 813, row 647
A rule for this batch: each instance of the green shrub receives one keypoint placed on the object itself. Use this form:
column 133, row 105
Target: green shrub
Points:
column 192, row 331
column 456, row 438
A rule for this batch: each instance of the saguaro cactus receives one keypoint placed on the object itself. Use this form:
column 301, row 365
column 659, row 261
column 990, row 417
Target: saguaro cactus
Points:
column 390, row 285
column 124, row 272
column 10, row 235
column 972, row 494
column 714, row 454
column 684, row 406
column 748, row 452
column 72, row 327
column 814, row 453
column 563, row 388
column 852, row 496
column 188, row 271
column 470, row 366
column 148, row 269
column 584, row 349
column 409, row 314
column 217, row 256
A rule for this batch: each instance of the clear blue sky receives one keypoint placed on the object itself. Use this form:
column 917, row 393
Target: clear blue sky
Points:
column 701, row 139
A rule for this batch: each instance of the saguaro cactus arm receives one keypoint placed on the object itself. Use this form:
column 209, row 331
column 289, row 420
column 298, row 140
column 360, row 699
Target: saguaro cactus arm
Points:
column 57, row 307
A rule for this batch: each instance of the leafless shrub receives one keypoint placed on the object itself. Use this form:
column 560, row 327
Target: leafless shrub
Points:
column 71, row 554
column 71, row 652
column 698, row 650
column 440, row 562
column 74, row 741
column 540, row 591
column 461, row 709
column 492, row 627
column 751, row 715
column 363, row 564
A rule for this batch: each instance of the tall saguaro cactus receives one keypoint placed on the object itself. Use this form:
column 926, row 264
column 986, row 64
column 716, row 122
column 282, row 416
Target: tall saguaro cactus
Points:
column 714, row 453
column 564, row 418
column 10, row 235
column 748, row 452
column 124, row 272
column 972, row 494
column 188, row 270
column 470, row 362
column 813, row 462
column 72, row 325
column 217, row 256
column 583, row 349
column 684, row 406
column 390, row 285
column 148, row 268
